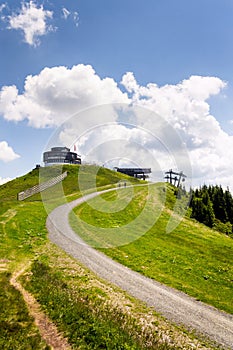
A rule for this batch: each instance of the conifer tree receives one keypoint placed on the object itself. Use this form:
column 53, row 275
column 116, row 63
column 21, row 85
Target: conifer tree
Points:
column 213, row 207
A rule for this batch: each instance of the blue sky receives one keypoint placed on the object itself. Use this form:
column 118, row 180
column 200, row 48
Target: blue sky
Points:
column 163, row 42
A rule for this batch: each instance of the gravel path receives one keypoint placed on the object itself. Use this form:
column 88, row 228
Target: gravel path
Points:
column 174, row 305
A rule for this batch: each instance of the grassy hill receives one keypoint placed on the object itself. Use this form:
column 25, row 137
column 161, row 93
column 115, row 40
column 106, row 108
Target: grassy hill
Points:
column 90, row 176
column 91, row 313
column 192, row 258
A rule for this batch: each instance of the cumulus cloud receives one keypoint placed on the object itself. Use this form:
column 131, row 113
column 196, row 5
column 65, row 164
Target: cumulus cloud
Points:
column 32, row 20
column 185, row 106
column 57, row 93
column 7, row 154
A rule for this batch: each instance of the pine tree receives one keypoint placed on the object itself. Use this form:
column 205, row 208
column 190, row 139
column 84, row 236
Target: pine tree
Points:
column 213, row 207
column 229, row 205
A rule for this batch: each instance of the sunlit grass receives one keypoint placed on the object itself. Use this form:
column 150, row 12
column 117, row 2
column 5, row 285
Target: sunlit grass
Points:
column 192, row 258
column 17, row 328
column 105, row 222
column 23, row 239
column 85, row 316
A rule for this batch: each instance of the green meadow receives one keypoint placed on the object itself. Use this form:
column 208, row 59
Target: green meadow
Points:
column 191, row 258
column 89, row 312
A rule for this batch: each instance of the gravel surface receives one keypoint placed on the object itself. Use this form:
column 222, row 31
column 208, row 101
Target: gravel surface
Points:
column 174, row 305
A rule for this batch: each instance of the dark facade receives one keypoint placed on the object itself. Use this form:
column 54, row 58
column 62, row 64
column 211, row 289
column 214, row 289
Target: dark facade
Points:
column 59, row 155
column 140, row 173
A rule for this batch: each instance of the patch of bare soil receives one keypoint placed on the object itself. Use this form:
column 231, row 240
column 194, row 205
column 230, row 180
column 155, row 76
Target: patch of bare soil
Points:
column 47, row 329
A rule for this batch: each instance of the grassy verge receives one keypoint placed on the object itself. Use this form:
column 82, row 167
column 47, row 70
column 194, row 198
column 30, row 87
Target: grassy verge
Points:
column 95, row 315
column 17, row 329
column 86, row 319
column 22, row 231
column 192, row 258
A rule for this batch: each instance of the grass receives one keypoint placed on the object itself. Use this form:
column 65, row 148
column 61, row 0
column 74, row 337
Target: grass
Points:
column 85, row 309
column 96, row 315
column 88, row 176
column 191, row 258
column 112, row 220
column 87, row 320
column 17, row 328
column 22, row 232
column 83, row 317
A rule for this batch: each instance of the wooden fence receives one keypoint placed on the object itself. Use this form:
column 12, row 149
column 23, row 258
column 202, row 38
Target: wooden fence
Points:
column 41, row 187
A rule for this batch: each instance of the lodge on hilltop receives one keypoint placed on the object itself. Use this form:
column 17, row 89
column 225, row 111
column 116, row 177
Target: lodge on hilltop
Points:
column 60, row 155
column 63, row 155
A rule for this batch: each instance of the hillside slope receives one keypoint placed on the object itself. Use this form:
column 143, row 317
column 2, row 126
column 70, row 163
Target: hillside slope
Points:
column 177, row 307
column 72, row 292
column 91, row 176
column 191, row 258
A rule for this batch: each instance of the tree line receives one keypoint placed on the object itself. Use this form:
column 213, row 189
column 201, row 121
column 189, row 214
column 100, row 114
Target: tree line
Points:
column 213, row 206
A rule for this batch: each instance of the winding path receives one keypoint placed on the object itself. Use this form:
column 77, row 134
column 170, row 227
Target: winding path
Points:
column 174, row 305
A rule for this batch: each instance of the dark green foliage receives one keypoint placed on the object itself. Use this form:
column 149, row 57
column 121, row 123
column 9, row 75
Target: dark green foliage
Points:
column 213, row 207
column 221, row 227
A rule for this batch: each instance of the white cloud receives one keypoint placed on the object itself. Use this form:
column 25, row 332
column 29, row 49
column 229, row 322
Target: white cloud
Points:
column 32, row 20
column 65, row 13
column 72, row 15
column 4, row 180
column 185, row 106
column 76, row 18
column 7, row 153
column 2, row 7
column 57, row 93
